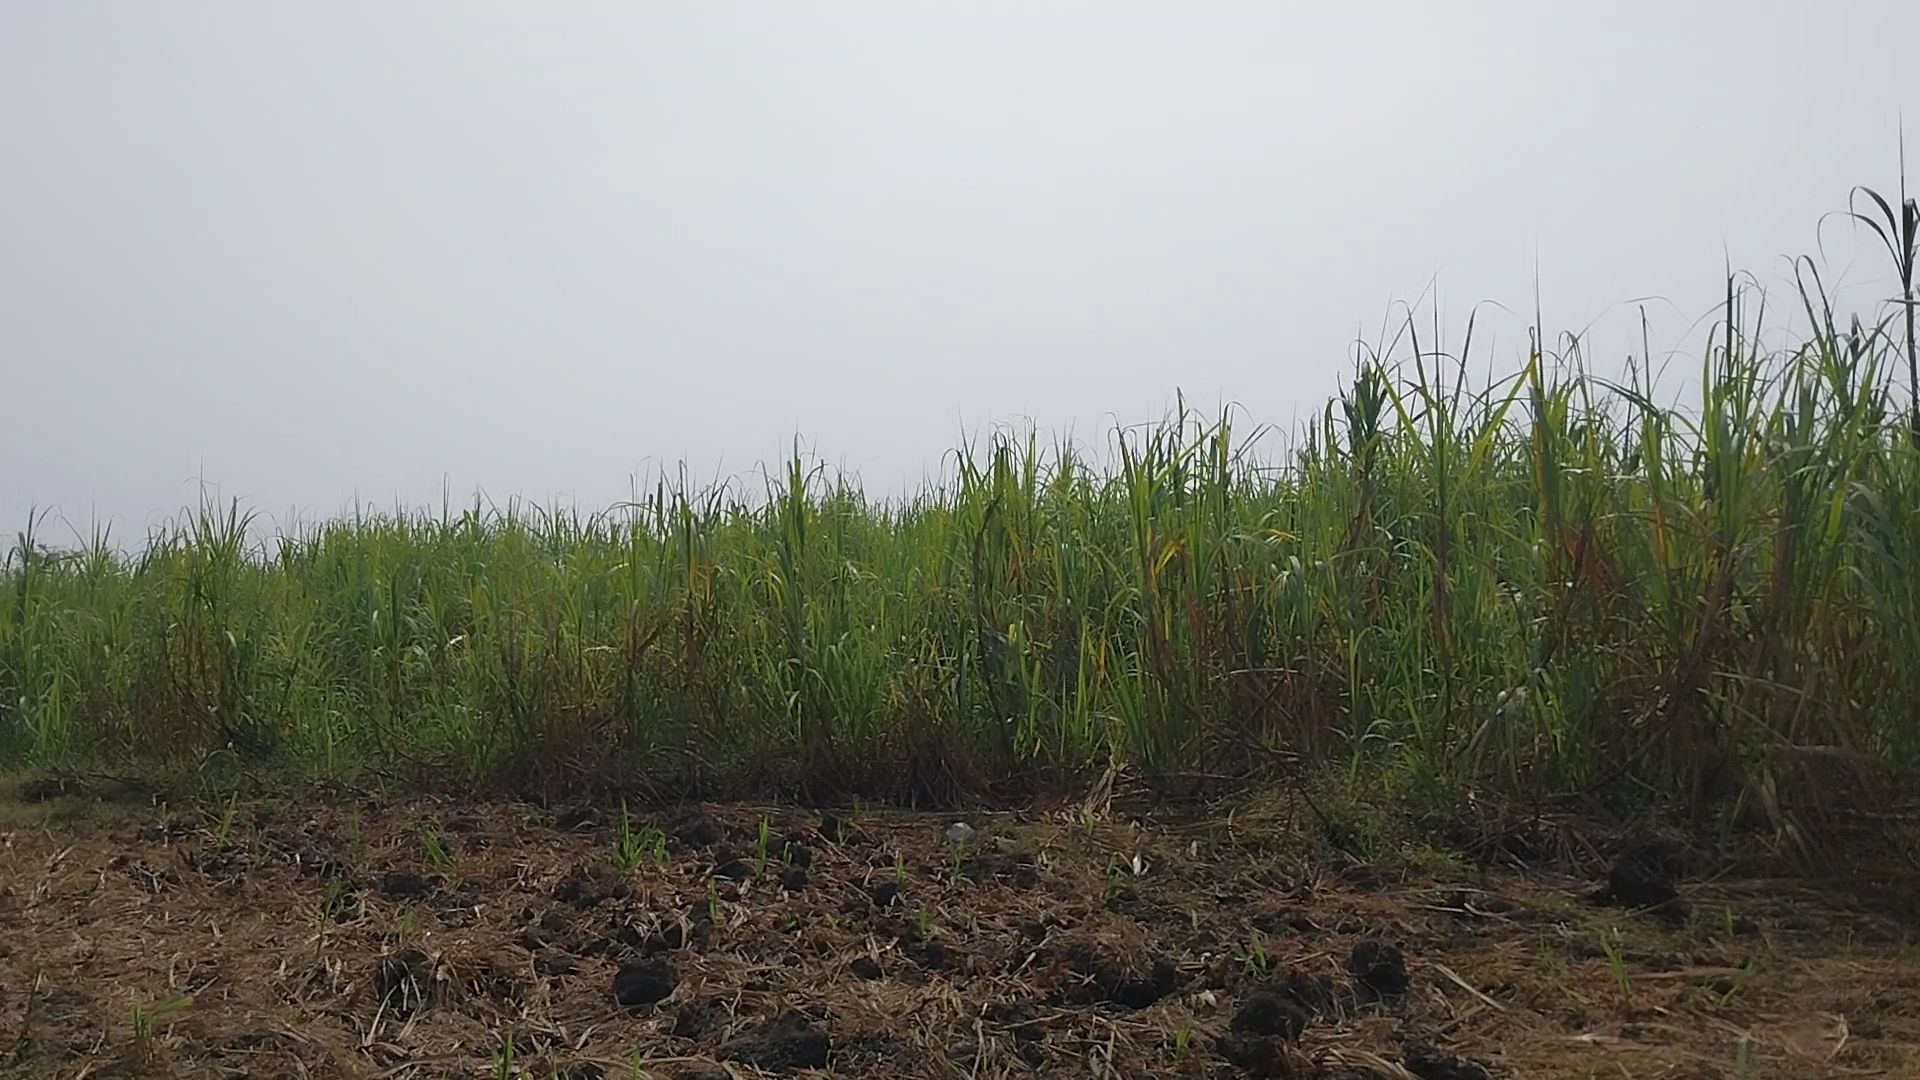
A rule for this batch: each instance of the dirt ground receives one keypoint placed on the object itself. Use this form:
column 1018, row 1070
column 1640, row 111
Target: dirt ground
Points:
column 370, row 937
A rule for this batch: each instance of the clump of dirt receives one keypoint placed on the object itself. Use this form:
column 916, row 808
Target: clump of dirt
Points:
column 692, row 928
column 1311, row 993
column 1022, row 1019
column 586, row 888
column 406, row 885
column 578, row 819
column 621, row 942
column 1270, row 1020
column 1266, row 1014
column 496, row 977
column 842, row 833
column 1378, row 968
column 1100, row 977
column 1645, row 876
column 404, row 982
column 930, row 954
column 697, row 829
column 1015, row 870
column 644, row 982
column 1428, row 1063
column 783, row 1044
column 735, row 870
column 698, row 1019
column 555, row 964
column 1256, row 1055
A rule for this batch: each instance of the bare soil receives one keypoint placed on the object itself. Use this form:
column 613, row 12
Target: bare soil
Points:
column 371, row 937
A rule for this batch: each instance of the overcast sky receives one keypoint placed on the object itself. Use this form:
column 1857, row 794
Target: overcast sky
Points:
column 317, row 252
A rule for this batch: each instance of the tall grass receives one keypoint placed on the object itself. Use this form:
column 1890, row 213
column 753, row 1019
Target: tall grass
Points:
column 1551, row 583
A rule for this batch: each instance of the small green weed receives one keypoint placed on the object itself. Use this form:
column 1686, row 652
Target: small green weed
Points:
column 434, row 847
column 333, row 901
column 762, row 842
column 224, row 830
column 503, row 1058
column 1256, row 957
column 629, row 847
column 1617, row 962
column 145, row 1019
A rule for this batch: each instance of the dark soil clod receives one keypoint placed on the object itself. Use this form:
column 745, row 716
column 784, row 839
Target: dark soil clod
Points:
column 1140, row 991
column 698, row 1019
column 872, row 1055
column 644, row 982
column 404, row 885
column 842, row 833
column 577, row 819
column 794, row 880
column 495, row 978
column 320, row 866
column 1018, row 1015
column 1269, row 1015
column 1018, row 871
column 584, row 890
column 1309, row 994
column 404, row 982
column 865, row 967
column 697, row 926
column 1103, row 980
column 1643, row 876
column 1427, row 1063
column 555, row 964
column 1378, row 968
column 930, row 955
column 699, row 831
column 1257, row 1056
column 788, row 1042
column 628, row 936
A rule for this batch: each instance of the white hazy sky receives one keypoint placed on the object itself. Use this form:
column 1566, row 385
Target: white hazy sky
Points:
column 316, row 252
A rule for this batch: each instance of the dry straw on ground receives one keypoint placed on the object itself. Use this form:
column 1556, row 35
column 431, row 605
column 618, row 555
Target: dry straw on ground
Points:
column 373, row 938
